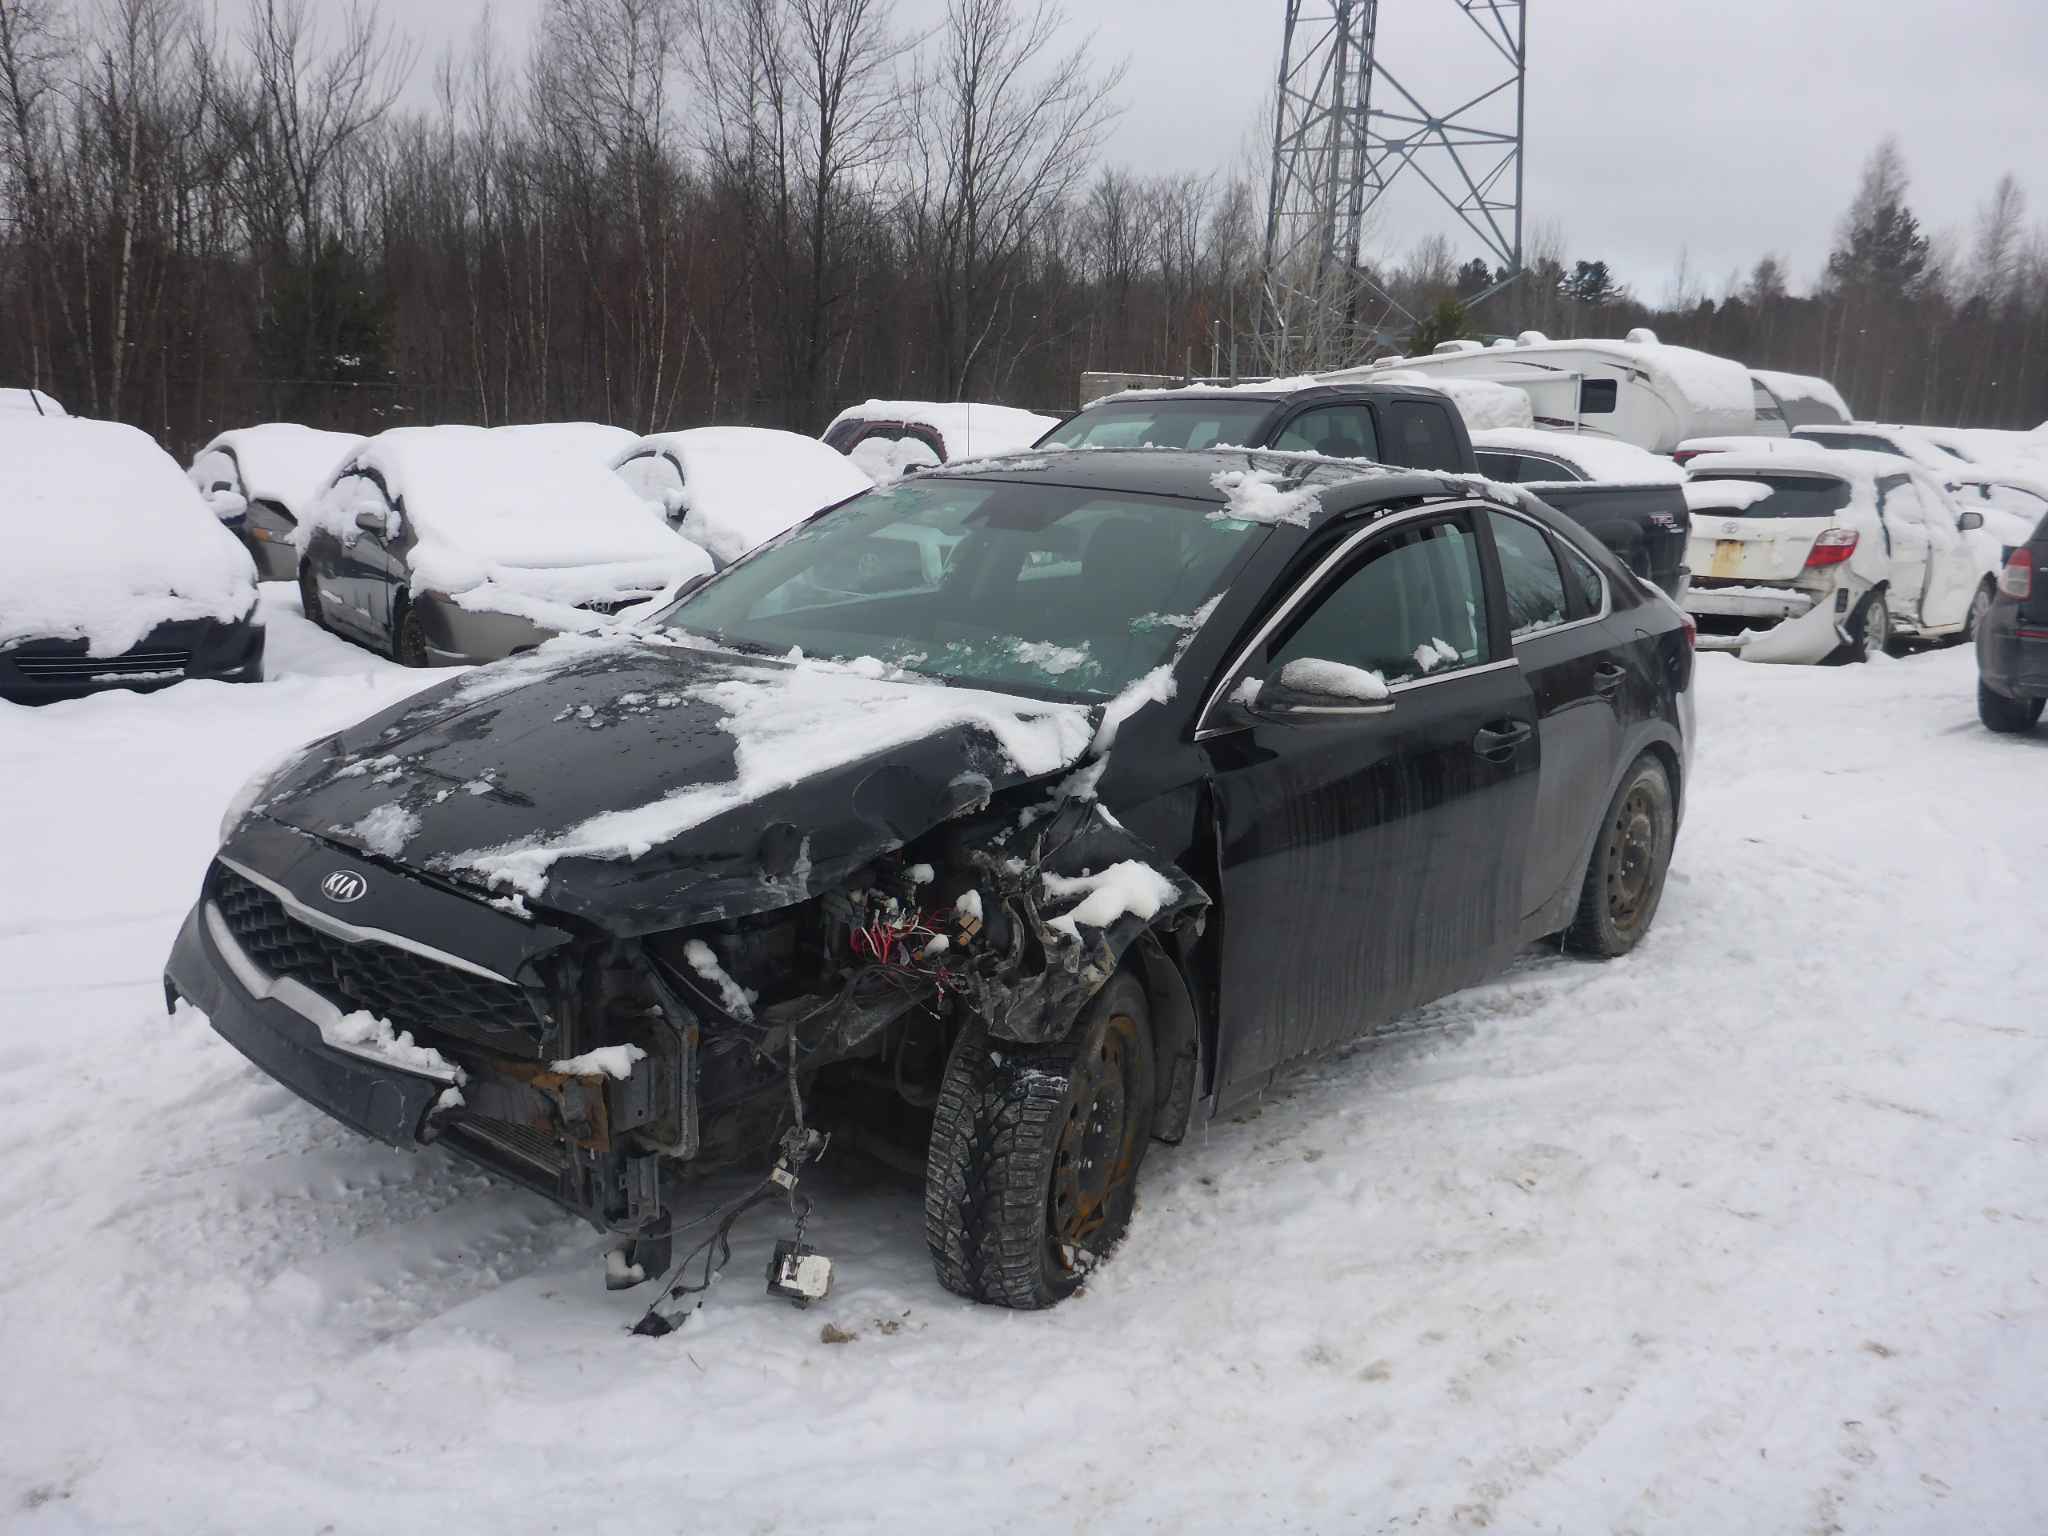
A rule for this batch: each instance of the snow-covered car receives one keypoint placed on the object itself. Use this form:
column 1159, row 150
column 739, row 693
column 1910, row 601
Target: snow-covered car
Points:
column 2019, row 493
column 1536, row 457
column 888, row 437
column 1798, row 557
column 2012, row 640
column 33, row 402
column 728, row 489
column 115, row 574
column 1064, row 849
column 260, row 480
column 455, row 544
column 1906, row 442
column 1801, row 399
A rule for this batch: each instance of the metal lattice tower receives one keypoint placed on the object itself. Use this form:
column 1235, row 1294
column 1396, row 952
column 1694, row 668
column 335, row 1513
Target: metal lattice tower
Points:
column 1345, row 129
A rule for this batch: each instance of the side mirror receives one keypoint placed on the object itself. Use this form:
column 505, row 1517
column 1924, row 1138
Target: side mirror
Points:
column 1306, row 689
column 1969, row 522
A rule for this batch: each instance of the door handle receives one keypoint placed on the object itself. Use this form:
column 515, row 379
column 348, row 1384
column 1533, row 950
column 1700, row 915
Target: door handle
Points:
column 1497, row 742
column 1607, row 677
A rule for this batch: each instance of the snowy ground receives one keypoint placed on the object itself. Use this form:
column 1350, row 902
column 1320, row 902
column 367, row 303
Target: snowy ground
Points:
column 1745, row 1233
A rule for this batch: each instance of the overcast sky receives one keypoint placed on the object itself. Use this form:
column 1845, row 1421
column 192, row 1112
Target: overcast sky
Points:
column 1722, row 130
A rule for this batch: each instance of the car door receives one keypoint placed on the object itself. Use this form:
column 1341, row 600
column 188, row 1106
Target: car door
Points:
column 1906, row 545
column 364, row 564
column 1954, row 566
column 1342, row 430
column 1371, row 854
column 1577, row 685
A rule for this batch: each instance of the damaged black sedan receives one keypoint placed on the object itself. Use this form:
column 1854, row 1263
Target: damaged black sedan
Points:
column 1055, row 801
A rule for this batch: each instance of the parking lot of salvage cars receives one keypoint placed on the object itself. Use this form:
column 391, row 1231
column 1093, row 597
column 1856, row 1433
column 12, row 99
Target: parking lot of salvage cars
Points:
column 1747, row 1229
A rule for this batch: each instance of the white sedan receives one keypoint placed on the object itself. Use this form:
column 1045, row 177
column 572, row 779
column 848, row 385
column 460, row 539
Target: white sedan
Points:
column 729, row 489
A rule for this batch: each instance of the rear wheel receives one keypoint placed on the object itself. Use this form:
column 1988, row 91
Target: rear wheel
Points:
column 1874, row 625
column 309, row 596
column 2006, row 716
column 1980, row 604
column 1631, row 855
column 1033, row 1169
column 409, row 640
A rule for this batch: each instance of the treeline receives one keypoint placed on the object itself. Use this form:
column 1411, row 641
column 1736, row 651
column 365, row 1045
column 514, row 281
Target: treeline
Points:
column 666, row 212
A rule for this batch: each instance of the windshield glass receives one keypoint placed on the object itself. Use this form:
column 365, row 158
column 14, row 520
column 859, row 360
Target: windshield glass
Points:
column 1189, row 423
column 1791, row 495
column 1060, row 592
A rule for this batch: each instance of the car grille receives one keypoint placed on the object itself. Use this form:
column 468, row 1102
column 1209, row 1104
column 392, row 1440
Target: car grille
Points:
column 75, row 668
column 413, row 991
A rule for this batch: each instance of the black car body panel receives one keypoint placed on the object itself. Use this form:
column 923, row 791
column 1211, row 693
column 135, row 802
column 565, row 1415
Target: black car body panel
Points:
column 1317, row 872
column 39, row 671
column 2012, row 639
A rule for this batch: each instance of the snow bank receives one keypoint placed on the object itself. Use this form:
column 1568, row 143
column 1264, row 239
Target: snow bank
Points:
column 511, row 517
column 277, row 461
column 1333, row 679
column 787, row 725
column 965, row 428
column 1601, row 458
column 744, row 485
column 1124, row 889
column 1259, row 496
column 105, row 538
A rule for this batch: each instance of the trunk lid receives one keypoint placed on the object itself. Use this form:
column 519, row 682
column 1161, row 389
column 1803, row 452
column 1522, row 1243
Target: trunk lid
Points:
column 1739, row 536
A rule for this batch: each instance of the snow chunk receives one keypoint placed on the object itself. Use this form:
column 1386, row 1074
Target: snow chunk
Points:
column 615, row 1061
column 1247, row 691
column 1155, row 687
column 1434, row 653
column 1052, row 659
column 734, row 998
column 106, row 538
column 385, row 830
column 968, row 905
column 1129, row 888
column 1255, row 495
column 1724, row 495
column 1333, row 679
column 363, row 1033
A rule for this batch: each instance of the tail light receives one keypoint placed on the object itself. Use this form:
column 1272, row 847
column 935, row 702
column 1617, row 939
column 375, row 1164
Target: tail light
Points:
column 1692, row 633
column 1684, row 454
column 2017, row 579
column 1832, row 547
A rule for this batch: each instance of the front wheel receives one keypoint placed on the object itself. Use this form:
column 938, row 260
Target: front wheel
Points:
column 1033, row 1169
column 2009, row 717
column 409, row 640
column 1631, row 855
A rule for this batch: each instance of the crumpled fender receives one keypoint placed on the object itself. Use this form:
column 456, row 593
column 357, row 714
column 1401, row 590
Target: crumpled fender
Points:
column 1805, row 641
column 1038, row 997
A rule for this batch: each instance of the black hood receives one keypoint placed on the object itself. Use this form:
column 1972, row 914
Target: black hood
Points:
column 516, row 755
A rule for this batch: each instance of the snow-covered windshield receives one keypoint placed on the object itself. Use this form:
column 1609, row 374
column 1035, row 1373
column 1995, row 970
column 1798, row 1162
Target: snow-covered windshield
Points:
column 1061, row 592
column 1791, row 495
column 1182, row 423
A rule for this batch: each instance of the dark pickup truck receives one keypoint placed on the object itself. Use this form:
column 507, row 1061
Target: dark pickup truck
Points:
column 1390, row 423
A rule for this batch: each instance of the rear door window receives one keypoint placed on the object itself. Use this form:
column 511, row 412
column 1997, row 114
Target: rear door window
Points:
column 1419, row 434
column 1335, row 431
column 1529, row 574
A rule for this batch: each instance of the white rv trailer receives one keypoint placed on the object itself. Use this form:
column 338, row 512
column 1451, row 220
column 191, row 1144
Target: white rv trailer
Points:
column 1636, row 391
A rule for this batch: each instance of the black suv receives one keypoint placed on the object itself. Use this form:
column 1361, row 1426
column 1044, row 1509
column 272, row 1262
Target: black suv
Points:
column 2012, row 640
column 1386, row 423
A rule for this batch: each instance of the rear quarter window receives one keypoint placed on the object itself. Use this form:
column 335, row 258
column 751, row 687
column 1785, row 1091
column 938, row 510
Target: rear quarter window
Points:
column 1419, row 434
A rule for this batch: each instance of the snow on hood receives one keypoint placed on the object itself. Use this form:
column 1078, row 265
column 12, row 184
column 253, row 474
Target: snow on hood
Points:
column 106, row 538
column 523, row 510
column 966, row 429
column 744, row 485
column 1602, row 458
column 278, row 461
column 635, row 782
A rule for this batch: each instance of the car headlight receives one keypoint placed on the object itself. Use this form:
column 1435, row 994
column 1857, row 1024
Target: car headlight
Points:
column 251, row 794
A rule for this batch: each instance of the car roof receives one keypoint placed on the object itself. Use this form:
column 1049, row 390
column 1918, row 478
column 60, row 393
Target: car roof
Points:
column 1275, row 393
column 1346, row 484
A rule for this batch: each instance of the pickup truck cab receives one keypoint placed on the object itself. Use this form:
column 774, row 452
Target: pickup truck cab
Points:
column 1631, row 500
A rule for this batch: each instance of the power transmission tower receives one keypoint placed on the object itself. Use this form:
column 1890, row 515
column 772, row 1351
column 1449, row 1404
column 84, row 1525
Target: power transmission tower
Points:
column 1345, row 129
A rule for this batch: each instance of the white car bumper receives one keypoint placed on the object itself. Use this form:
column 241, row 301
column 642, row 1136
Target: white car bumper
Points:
column 1792, row 625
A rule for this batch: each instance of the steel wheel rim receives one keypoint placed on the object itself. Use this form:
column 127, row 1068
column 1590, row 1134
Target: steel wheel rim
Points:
column 1091, row 1160
column 1632, row 857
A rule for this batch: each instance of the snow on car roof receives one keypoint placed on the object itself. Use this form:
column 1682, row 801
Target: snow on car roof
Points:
column 32, row 401
column 1859, row 466
column 1602, row 458
column 282, row 461
column 483, row 501
column 744, row 485
column 965, row 428
column 106, row 538
column 594, row 438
